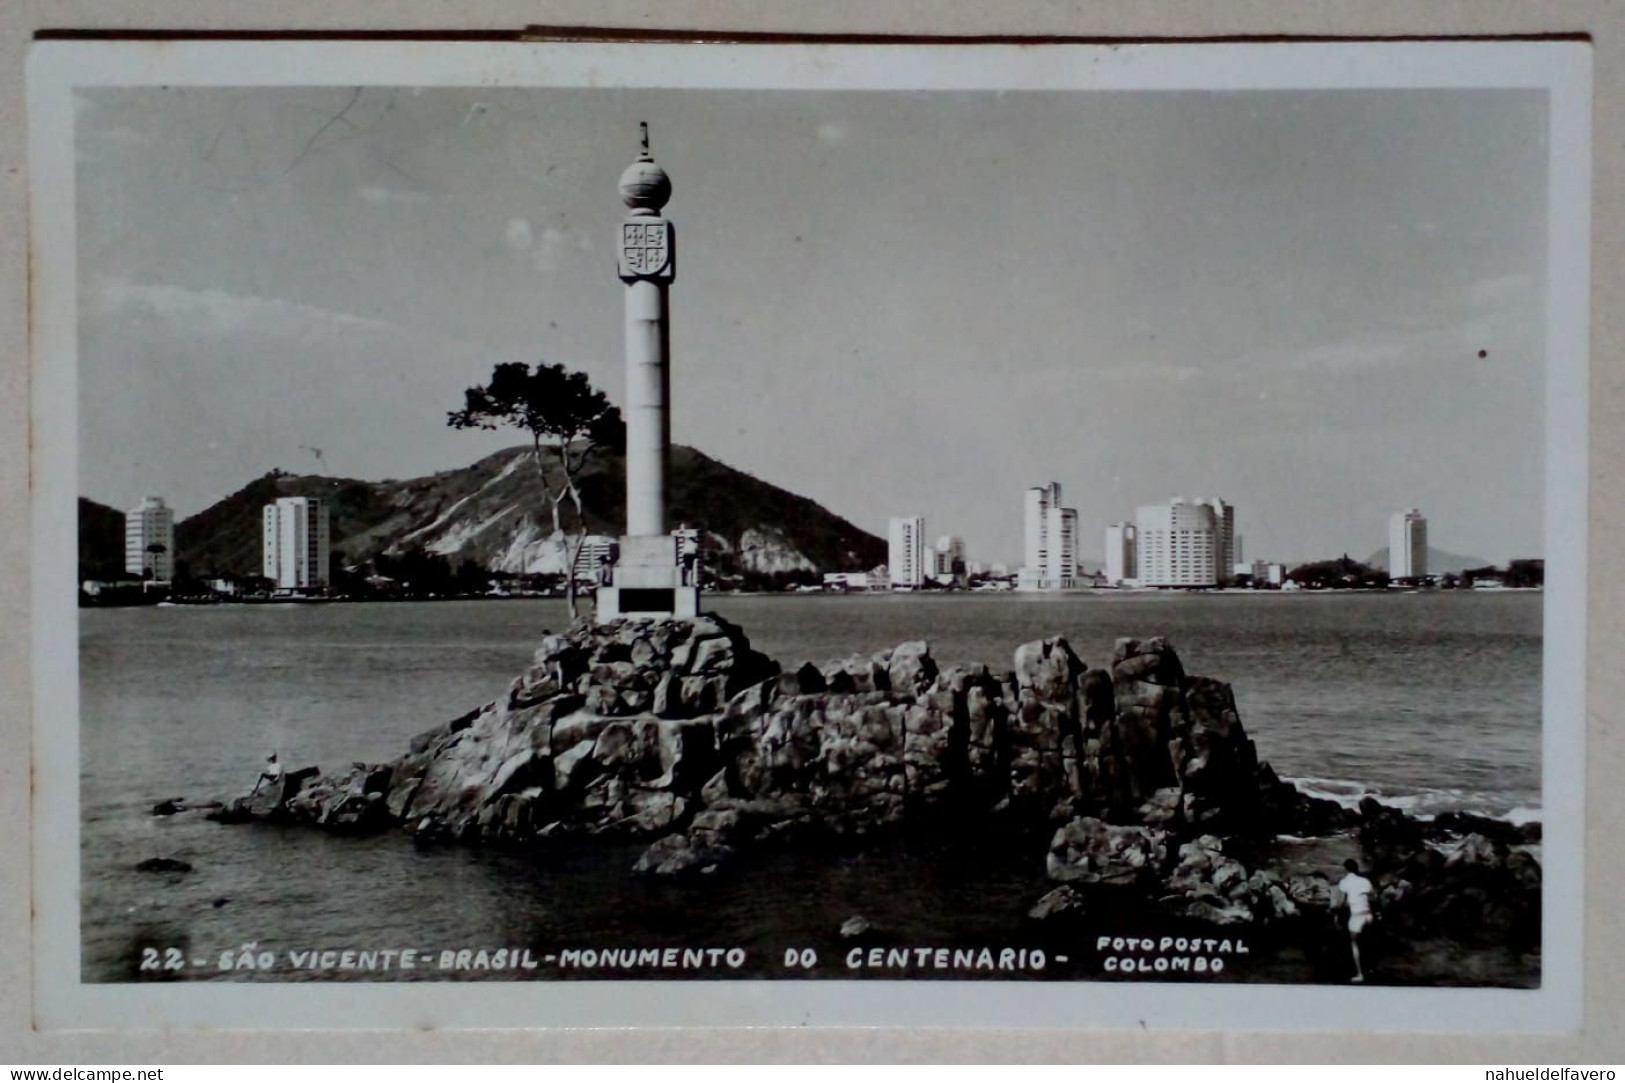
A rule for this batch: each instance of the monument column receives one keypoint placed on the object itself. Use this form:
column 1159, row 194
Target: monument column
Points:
column 648, row 421
column 652, row 576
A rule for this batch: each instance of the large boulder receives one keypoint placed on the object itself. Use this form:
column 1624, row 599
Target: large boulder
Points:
column 1215, row 762
column 1044, row 737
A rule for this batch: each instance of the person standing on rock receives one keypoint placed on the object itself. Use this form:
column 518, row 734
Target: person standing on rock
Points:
column 1356, row 892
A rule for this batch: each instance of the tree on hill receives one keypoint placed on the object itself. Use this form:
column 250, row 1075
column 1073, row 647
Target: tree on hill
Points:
column 561, row 411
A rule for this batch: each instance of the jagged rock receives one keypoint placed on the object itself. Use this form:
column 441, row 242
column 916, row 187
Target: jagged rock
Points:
column 1091, row 851
column 1151, row 661
column 1216, row 763
column 1467, row 823
column 163, row 864
column 1313, row 890
column 1163, row 807
column 676, row 854
column 1220, row 913
column 855, row 675
column 911, row 667
column 806, row 681
column 1059, row 902
column 1048, row 667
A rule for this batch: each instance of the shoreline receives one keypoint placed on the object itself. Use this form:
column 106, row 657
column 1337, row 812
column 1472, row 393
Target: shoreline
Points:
column 1096, row 592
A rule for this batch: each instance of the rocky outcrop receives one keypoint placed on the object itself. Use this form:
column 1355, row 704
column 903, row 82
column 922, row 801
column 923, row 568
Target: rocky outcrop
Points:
column 1431, row 881
column 679, row 733
column 682, row 733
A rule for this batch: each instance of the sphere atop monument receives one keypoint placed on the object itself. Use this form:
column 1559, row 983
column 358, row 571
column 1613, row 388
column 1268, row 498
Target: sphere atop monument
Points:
column 644, row 185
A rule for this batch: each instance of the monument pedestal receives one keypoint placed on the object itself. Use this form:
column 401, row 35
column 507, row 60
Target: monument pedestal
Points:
column 648, row 582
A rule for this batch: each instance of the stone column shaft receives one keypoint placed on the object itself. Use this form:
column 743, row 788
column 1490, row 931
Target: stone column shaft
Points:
column 648, row 420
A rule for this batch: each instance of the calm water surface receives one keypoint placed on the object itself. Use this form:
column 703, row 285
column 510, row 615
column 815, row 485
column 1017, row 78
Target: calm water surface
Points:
column 1429, row 700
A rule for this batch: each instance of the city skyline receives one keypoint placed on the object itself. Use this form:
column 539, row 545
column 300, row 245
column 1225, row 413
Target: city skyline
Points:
column 1326, row 305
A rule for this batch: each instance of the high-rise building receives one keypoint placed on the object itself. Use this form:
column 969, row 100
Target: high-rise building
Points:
column 905, row 552
column 296, row 543
column 1050, row 537
column 149, row 540
column 1122, row 561
column 1178, row 543
column 1225, row 552
column 1407, row 545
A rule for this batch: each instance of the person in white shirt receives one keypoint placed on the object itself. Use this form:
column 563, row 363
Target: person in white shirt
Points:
column 271, row 774
column 1356, row 891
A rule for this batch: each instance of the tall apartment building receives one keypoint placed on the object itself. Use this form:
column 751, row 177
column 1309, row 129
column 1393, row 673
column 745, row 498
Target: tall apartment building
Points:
column 296, row 543
column 149, row 540
column 905, row 551
column 1407, row 545
column 1050, row 541
column 1179, row 543
column 1225, row 550
column 1122, row 559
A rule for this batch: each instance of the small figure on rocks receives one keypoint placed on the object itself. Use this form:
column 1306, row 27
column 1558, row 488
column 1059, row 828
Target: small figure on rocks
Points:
column 1355, row 891
column 271, row 774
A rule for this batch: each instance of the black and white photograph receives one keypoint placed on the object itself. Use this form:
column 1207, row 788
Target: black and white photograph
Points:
column 844, row 533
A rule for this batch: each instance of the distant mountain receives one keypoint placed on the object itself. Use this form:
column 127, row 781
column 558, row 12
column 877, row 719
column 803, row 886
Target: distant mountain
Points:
column 101, row 541
column 1439, row 561
column 491, row 512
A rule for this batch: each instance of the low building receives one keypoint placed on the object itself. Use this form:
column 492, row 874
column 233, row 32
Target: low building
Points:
column 1268, row 574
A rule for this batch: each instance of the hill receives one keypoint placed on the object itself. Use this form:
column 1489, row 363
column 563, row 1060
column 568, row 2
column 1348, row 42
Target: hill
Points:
column 490, row 512
column 1440, row 562
column 101, row 541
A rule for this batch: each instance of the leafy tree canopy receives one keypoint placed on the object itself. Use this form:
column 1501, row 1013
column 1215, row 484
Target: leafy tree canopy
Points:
column 550, row 402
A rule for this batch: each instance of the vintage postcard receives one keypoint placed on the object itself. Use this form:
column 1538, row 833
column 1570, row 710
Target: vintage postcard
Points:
column 1072, row 536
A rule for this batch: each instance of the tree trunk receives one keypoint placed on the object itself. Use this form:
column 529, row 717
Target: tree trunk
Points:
column 558, row 529
column 570, row 554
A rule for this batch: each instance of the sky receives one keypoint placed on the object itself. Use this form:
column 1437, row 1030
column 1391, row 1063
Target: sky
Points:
column 1321, row 306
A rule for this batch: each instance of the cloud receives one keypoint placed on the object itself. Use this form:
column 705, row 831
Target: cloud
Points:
column 544, row 248
column 519, row 235
column 216, row 313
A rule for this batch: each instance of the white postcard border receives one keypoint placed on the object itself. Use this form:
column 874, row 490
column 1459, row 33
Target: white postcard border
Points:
column 63, row 1002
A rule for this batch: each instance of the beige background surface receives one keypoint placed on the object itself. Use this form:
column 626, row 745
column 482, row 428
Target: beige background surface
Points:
column 1603, row 1037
